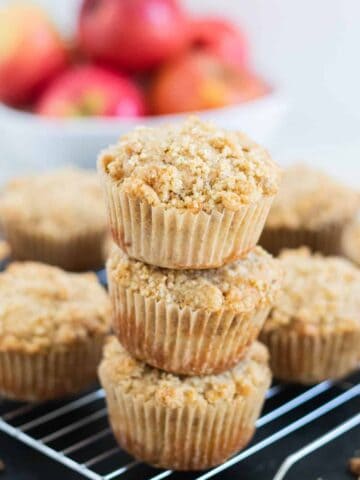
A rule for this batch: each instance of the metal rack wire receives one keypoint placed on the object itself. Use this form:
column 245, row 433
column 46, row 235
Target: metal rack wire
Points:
column 76, row 433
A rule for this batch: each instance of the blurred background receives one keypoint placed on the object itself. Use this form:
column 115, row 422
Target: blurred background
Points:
column 296, row 88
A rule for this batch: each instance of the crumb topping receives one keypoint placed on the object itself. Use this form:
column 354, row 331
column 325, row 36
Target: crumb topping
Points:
column 309, row 198
column 241, row 286
column 139, row 379
column 193, row 166
column 59, row 203
column 351, row 242
column 318, row 293
column 42, row 305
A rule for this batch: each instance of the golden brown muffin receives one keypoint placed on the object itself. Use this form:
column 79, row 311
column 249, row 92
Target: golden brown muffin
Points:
column 310, row 209
column 191, row 322
column 351, row 242
column 313, row 331
column 57, row 218
column 188, row 196
column 183, row 423
column 52, row 329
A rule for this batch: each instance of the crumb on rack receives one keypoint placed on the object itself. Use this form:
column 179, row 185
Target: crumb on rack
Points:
column 354, row 466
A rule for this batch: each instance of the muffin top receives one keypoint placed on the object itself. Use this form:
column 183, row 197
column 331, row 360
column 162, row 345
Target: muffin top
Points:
column 351, row 242
column 309, row 198
column 42, row 306
column 59, row 203
column 240, row 286
column 192, row 166
column 318, row 294
column 138, row 379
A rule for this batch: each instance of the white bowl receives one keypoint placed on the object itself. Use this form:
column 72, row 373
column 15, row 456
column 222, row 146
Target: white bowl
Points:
column 34, row 142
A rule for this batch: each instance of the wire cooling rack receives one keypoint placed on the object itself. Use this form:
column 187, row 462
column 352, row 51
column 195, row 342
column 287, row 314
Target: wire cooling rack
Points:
column 76, row 433
column 296, row 422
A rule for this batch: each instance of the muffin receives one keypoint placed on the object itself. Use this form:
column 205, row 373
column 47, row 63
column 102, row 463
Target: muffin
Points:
column 351, row 242
column 57, row 218
column 183, row 423
column 188, row 196
column 313, row 331
column 310, row 209
column 52, row 329
column 191, row 322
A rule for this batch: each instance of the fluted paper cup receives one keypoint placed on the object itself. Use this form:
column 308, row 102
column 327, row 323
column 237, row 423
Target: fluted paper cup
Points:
column 82, row 251
column 182, row 340
column 312, row 358
column 51, row 374
column 179, row 239
column 326, row 240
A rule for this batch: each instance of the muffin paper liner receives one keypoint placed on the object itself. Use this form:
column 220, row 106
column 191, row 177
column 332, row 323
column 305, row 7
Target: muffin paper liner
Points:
column 182, row 340
column 327, row 240
column 48, row 375
column 177, row 239
column 308, row 359
column 84, row 251
column 188, row 437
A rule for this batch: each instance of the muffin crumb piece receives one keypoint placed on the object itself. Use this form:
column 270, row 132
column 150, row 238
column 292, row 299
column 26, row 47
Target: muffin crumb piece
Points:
column 354, row 466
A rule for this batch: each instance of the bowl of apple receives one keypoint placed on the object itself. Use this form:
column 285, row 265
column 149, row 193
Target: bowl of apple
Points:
column 130, row 62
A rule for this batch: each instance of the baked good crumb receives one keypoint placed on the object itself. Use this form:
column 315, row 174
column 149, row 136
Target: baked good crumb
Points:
column 240, row 286
column 193, row 166
column 308, row 198
column 42, row 306
column 144, row 382
column 354, row 466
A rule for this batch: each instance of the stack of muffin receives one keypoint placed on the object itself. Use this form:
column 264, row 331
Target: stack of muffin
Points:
column 184, row 377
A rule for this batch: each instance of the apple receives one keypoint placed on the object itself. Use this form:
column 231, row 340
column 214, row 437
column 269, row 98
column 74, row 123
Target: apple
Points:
column 221, row 38
column 90, row 90
column 200, row 81
column 135, row 35
column 31, row 52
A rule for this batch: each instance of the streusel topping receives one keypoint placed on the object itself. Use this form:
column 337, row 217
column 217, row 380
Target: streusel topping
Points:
column 42, row 305
column 318, row 293
column 240, row 286
column 139, row 379
column 193, row 166
column 60, row 203
column 309, row 198
column 351, row 242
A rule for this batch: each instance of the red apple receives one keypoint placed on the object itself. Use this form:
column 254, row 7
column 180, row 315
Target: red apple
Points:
column 221, row 38
column 87, row 90
column 31, row 52
column 135, row 35
column 199, row 81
